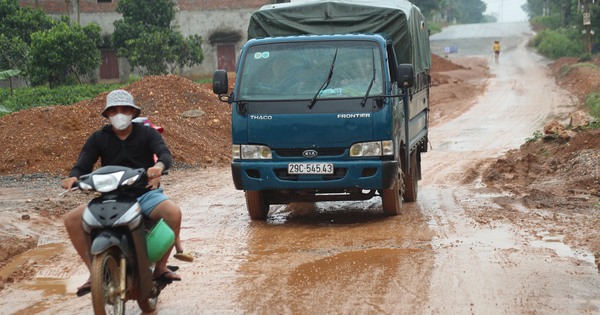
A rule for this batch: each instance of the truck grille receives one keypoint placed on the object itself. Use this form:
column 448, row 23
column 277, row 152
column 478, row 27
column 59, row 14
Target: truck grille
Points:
column 298, row 152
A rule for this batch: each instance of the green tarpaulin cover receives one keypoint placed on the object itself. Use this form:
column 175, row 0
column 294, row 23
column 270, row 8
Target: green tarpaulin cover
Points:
column 398, row 19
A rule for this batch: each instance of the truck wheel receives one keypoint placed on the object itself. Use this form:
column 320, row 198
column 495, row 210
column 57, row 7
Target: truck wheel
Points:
column 257, row 204
column 411, row 181
column 390, row 199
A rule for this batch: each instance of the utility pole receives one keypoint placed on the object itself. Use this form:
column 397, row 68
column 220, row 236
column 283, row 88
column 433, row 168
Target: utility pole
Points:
column 587, row 26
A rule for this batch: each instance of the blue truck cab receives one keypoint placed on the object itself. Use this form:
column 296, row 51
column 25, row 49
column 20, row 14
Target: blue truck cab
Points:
column 325, row 117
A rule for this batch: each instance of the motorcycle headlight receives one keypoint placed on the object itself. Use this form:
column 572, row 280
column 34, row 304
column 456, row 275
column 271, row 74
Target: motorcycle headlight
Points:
column 107, row 182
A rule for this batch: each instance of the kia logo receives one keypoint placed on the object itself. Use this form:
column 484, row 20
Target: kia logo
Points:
column 310, row 154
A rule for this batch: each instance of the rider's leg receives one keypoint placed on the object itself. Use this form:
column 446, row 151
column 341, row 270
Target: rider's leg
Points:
column 73, row 223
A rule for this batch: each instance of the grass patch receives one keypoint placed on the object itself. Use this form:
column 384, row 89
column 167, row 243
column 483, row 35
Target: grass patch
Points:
column 537, row 135
column 593, row 103
column 28, row 97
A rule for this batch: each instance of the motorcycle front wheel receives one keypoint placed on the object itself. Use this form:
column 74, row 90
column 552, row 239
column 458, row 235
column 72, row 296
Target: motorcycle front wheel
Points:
column 106, row 277
column 148, row 304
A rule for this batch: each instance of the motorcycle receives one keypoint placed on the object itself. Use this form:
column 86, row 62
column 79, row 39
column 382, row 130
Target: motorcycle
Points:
column 122, row 249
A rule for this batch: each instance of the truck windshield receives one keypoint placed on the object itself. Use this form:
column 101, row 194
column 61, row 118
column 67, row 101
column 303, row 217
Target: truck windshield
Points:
column 296, row 71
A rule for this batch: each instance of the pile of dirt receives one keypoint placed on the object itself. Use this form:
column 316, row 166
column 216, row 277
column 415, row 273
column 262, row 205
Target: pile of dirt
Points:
column 48, row 139
column 440, row 65
column 455, row 86
column 580, row 78
column 559, row 178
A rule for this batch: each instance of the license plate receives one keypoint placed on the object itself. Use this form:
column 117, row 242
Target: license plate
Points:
column 310, row 168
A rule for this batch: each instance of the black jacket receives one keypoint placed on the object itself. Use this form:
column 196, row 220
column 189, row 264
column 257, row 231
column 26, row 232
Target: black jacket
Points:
column 137, row 151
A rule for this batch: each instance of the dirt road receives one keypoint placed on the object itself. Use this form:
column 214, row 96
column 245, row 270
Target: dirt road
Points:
column 347, row 257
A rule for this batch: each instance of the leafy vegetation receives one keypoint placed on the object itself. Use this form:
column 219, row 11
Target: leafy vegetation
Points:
column 593, row 103
column 558, row 43
column 43, row 50
column 64, row 53
column 560, row 27
column 145, row 37
column 537, row 135
column 454, row 11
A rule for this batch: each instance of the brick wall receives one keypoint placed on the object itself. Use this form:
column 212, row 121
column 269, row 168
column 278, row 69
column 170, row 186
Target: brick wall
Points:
column 92, row 6
column 60, row 6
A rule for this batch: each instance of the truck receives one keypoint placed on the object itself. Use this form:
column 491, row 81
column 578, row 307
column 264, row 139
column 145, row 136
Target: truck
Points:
column 330, row 103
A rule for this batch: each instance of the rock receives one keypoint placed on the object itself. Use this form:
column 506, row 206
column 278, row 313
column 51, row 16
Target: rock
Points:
column 580, row 119
column 194, row 113
column 566, row 135
column 553, row 128
column 25, row 217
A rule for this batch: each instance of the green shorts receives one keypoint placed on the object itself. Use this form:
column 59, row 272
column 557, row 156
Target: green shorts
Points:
column 150, row 200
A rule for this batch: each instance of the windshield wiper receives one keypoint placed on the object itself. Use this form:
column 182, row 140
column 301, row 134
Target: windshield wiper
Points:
column 364, row 100
column 326, row 83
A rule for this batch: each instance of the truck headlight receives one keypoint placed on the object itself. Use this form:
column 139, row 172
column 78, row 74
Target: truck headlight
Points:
column 251, row 152
column 374, row 148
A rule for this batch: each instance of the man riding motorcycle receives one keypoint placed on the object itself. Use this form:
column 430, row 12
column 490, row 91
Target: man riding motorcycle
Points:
column 133, row 145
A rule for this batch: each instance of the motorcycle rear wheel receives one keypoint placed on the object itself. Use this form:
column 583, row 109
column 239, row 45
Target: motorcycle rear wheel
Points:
column 105, row 285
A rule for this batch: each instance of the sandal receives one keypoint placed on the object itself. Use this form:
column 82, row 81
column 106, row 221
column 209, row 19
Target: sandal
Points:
column 184, row 256
column 84, row 289
column 167, row 277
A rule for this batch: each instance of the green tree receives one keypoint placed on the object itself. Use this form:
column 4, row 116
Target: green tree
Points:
column 472, row 11
column 189, row 51
column 14, row 58
column 147, row 39
column 428, row 7
column 16, row 21
column 64, row 53
column 16, row 26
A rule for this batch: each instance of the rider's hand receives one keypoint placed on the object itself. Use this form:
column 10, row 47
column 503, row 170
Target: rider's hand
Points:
column 67, row 183
column 154, row 174
column 153, row 183
column 155, row 171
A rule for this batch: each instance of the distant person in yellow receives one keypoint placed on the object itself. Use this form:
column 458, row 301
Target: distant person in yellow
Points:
column 496, row 48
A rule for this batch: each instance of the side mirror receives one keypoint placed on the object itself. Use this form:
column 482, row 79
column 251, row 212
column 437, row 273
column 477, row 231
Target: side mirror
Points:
column 406, row 75
column 220, row 84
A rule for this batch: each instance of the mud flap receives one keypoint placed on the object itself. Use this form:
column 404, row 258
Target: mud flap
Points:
column 108, row 239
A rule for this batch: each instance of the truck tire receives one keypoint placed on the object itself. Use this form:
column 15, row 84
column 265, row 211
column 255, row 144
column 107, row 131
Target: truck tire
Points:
column 411, row 180
column 390, row 199
column 257, row 204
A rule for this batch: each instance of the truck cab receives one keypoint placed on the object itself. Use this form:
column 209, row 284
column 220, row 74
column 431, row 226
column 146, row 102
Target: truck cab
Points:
column 324, row 117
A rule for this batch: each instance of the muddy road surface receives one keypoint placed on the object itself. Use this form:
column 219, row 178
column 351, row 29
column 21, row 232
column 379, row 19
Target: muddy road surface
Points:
column 347, row 257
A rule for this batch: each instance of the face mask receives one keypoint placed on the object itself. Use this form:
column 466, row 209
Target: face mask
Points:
column 120, row 121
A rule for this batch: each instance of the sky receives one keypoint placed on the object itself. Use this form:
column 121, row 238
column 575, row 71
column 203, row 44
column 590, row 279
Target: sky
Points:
column 506, row 10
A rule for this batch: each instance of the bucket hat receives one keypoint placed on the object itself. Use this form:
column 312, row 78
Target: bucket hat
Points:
column 120, row 98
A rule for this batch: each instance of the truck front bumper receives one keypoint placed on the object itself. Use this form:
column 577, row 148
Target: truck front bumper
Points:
column 261, row 175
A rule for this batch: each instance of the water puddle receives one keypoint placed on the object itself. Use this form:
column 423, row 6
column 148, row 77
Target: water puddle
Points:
column 555, row 242
column 51, row 279
column 349, row 264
